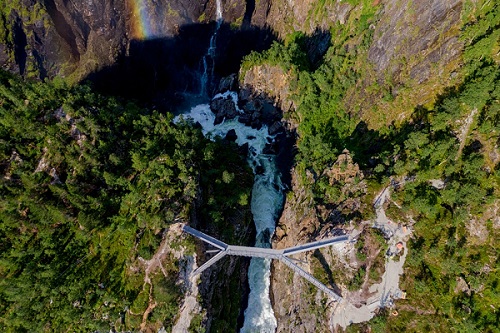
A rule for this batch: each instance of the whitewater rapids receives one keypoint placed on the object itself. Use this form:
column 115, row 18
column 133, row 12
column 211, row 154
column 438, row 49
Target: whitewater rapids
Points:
column 266, row 203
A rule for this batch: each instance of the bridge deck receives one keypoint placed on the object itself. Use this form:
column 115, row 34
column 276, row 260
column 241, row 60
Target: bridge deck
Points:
column 259, row 252
column 314, row 245
column 206, row 238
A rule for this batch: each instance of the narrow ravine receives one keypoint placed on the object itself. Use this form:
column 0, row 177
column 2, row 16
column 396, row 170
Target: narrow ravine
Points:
column 267, row 192
column 266, row 204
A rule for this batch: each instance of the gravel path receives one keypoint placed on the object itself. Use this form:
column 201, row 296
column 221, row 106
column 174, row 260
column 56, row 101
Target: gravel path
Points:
column 383, row 293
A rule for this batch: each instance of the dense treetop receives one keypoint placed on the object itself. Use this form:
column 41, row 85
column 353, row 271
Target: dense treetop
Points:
column 89, row 184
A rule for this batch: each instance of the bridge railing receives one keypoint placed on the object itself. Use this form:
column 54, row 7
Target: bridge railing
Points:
column 206, row 238
column 314, row 245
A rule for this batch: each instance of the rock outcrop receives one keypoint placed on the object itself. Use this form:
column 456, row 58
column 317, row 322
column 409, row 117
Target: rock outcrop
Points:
column 299, row 304
column 286, row 17
column 428, row 37
column 63, row 38
column 296, row 301
column 223, row 108
column 270, row 82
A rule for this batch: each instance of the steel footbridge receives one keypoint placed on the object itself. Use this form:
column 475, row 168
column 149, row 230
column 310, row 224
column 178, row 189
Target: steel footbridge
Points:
column 223, row 249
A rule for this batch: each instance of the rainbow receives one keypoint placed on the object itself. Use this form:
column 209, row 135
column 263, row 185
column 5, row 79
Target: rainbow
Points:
column 140, row 20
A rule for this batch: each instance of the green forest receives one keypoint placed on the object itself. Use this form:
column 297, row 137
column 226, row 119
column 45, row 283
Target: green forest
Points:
column 453, row 140
column 89, row 185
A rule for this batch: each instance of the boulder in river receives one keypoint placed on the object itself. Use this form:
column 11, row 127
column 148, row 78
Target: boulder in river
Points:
column 257, row 124
column 243, row 149
column 245, row 119
column 223, row 108
column 271, row 149
column 231, row 135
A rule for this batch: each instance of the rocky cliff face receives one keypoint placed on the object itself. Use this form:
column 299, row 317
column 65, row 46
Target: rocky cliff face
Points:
column 57, row 37
column 298, row 303
column 270, row 81
column 424, row 34
column 74, row 39
column 415, row 47
column 295, row 300
column 62, row 38
column 286, row 17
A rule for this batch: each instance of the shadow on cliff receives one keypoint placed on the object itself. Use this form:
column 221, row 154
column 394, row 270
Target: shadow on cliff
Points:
column 327, row 269
column 160, row 71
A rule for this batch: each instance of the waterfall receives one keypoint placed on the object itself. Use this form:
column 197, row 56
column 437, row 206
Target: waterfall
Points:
column 266, row 203
column 218, row 11
column 209, row 57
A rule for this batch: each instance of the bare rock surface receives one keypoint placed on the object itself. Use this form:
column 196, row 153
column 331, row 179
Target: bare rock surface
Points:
column 63, row 36
column 404, row 34
column 268, row 81
column 293, row 310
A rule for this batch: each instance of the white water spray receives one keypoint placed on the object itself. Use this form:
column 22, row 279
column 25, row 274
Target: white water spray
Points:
column 218, row 11
column 209, row 57
column 267, row 201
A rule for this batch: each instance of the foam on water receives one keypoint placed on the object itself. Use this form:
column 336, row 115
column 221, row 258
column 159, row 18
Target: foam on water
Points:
column 267, row 201
column 259, row 315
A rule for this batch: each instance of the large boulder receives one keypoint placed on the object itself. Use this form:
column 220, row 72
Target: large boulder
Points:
column 271, row 148
column 231, row 135
column 224, row 108
column 245, row 119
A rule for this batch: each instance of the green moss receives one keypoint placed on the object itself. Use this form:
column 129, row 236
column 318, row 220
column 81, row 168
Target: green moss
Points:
column 236, row 24
column 196, row 324
column 202, row 18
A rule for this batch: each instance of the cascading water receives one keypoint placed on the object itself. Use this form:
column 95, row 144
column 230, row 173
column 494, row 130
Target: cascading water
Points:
column 209, row 57
column 267, row 201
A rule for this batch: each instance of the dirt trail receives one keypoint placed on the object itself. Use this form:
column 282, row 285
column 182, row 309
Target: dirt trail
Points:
column 383, row 293
column 150, row 266
column 190, row 306
column 464, row 130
